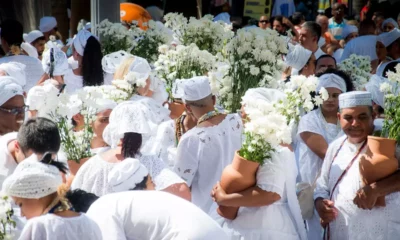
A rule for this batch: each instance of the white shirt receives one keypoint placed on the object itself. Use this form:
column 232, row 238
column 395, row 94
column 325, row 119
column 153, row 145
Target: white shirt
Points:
column 152, row 215
column 203, row 153
column 50, row 226
column 7, row 161
column 33, row 68
column 73, row 82
column 319, row 53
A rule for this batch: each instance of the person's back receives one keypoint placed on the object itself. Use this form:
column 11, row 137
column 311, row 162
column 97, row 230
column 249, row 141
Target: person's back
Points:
column 151, row 215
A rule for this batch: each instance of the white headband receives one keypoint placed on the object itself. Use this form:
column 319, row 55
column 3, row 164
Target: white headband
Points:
column 8, row 89
column 331, row 80
column 126, row 175
column 15, row 70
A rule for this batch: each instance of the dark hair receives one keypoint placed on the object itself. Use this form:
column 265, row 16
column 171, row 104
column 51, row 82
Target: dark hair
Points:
column 314, row 27
column 12, row 31
column 81, row 200
column 278, row 18
column 391, row 66
column 131, row 144
column 39, row 135
column 397, row 41
column 38, row 39
column 92, row 70
column 142, row 185
column 297, row 17
column 325, row 56
column 346, row 78
column 48, row 159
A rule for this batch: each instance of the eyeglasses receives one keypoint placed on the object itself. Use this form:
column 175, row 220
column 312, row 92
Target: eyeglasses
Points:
column 264, row 21
column 15, row 111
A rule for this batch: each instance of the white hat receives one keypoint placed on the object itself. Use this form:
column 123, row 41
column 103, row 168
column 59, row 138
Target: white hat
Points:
column 265, row 94
column 196, row 88
column 15, row 70
column 126, row 175
column 354, row 99
column 80, row 40
column 348, row 29
column 331, row 80
column 32, row 36
column 8, row 89
column 390, row 20
column 47, row 24
column 388, row 38
column 30, row 50
column 297, row 57
column 61, row 66
column 32, row 180
column 111, row 62
column 373, row 86
column 88, row 26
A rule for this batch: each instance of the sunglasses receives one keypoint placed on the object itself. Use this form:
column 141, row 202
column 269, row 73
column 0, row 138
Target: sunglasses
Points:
column 15, row 111
column 264, row 21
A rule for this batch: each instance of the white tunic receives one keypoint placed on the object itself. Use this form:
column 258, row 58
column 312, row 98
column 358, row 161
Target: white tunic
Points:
column 152, row 215
column 93, row 175
column 280, row 220
column 352, row 222
column 50, row 226
column 7, row 161
column 73, row 82
column 203, row 153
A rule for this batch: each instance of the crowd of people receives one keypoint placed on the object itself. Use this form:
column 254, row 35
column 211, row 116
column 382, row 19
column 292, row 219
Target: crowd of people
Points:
column 156, row 175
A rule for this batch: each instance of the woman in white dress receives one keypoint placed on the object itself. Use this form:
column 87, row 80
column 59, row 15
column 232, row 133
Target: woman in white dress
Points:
column 270, row 209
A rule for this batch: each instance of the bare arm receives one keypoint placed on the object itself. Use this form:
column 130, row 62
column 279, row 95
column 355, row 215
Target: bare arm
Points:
column 316, row 143
column 387, row 185
column 179, row 189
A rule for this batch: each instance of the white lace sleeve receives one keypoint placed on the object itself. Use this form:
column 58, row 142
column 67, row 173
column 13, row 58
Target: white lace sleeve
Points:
column 271, row 176
column 161, row 175
column 187, row 161
column 165, row 139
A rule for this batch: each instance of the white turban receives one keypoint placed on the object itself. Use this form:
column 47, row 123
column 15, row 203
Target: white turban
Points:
column 105, row 104
column 265, row 94
column 111, row 62
column 388, row 38
column 390, row 20
column 80, row 40
column 373, row 86
column 32, row 180
column 15, row 70
column 32, row 36
column 331, row 80
column 61, row 66
column 30, row 50
column 126, row 175
column 354, row 99
column 8, row 89
column 349, row 29
column 362, row 46
column 297, row 57
column 141, row 68
column 47, row 24
column 196, row 88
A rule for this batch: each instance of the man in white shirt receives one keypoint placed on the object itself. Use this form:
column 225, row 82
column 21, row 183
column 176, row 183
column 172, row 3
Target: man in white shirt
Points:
column 309, row 36
column 205, row 150
column 37, row 40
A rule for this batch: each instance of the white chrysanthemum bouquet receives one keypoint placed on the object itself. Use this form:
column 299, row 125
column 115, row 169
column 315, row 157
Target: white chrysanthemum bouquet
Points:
column 147, row 42
column 115, row 37
column 130, row 84
column 391, row 125
column 358, row 68
column 6, row 222
column 255, row 60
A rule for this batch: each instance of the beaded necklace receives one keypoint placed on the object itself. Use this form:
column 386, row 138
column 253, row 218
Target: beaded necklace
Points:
column 208, row 116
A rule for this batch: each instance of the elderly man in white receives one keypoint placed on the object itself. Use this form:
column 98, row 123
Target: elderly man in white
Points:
column 345, row 206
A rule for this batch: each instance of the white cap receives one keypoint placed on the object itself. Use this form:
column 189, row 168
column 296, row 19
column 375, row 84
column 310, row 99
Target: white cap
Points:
column 388, row 38
column 126, row 175
column 196, row 88
column 47, row 24
column 348, row 29
column 373, row 86
column 224, row 17
column 61, row 66
column 354, row 99
column 32, row 36
column 330, row 80
column 80, row 41
column 8, row 89
column 15, row 70
column 390, row 20
column 297, row 57
column 32, row 180
column 30, row 50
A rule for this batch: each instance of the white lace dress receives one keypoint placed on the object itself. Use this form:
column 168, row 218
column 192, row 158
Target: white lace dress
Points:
column 165, row 142
column 93, row 175
column 203, row 153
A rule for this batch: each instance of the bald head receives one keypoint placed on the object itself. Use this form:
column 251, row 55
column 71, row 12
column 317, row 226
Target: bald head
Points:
column 323, row 21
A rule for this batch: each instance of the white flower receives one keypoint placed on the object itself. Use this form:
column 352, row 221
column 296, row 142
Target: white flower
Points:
column 385, row 87
column 324, row 94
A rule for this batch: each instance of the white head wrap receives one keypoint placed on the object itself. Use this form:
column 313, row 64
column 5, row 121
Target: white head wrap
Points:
column 297, row 57
column 61, row 66
column 373, row 86
column 196, row 88
column 362, row 46
column 388, row 38
column 32, row 180
column 15, row 70
column 111, row 62
column 354, row 99
column 390, row 20
column 105, row 104
column 30, row 50
column 42, row 98
column 32, row 36
column 331, row 80
column 224, row 17
column 80, row 40
column 47, row 24
column 8, row 89
column 348, row 29
column 126, row 175
column 141, row 68
column 88, row 26
column 265, row 94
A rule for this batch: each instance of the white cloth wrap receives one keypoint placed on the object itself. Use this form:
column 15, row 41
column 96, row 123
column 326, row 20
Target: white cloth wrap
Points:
column 8, row 89
column 390, row 20
column 388, row 38
column 349, row 29
column 331, row 80
column 32, row 36
column 15, row 70
column 126, row 175
column 61, row 66
column 30, row 50
column 80, row 40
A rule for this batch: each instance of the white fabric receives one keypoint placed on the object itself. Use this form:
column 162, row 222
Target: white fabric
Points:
column 80, row 40
column 73, row 64
column 297, row 57
column 32, row 36
column 349, row 29
column 93, row 175
column 15, row 70
column 319, row 53
column 8, row 89
column 321, row 42
column 388, row 38
column 382, row 66
column 224, row 17
column 204, row 148
column 126, row 175
column 7, row 161
column 33, row 68
column 196, row 88
column 338, row 54
column 47, row 24
column 354, row 99
column 152, row 215
column 378, row 124
column 280, row 220
column 265, row 94
column 373, row 86
column 164, row 141
column 43, row 99
column 158, row 88
column 177, row 88
column 30, row 50
column 390, row 20
column 32, row 179
column 111, row 62
column 61, row 66
column 141, row 69
column 73, row 82
column 105, row 104
column 352, row 222
column 331, row 80
column 88, row 26
column 362, row 46
column 51, row 226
